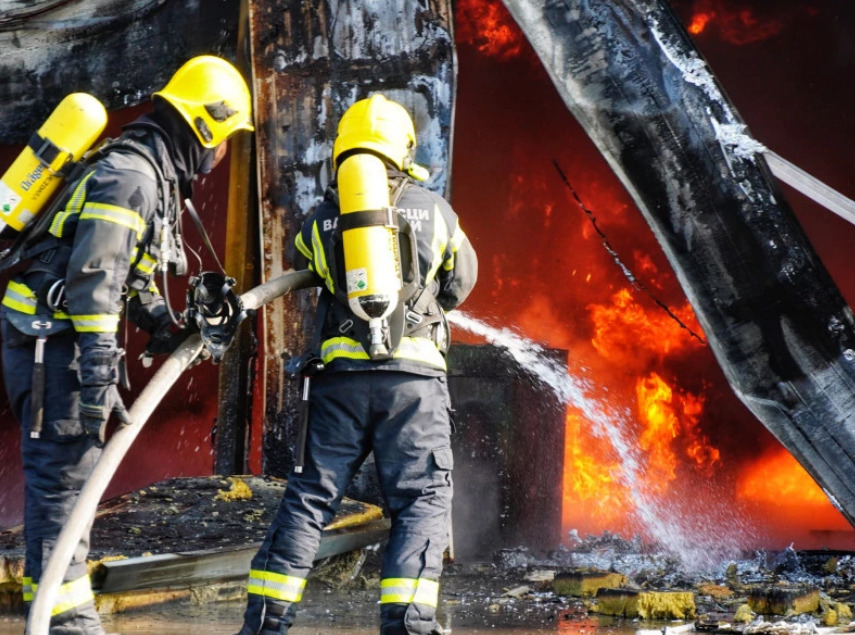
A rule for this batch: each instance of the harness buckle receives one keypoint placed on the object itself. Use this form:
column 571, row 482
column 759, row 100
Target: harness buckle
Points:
column 345, row 326
column 391, row 217
column 414, row 318
column 55, row 297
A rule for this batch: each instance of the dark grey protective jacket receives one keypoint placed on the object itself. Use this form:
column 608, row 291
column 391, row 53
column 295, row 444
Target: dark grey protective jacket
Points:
column 448, row 269
column 106, row 241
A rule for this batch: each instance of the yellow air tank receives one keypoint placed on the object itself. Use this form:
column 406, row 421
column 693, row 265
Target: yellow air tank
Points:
column 371, row 254
column 33, row 177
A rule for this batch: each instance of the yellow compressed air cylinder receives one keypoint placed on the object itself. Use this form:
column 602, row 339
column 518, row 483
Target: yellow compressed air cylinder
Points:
column 371, row 256
column 28, row 184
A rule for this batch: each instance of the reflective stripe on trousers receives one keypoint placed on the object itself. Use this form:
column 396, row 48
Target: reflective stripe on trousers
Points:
column 409, row 591
column 286, row 588
column 56, row 466
column 69, row 596
column 404, row 419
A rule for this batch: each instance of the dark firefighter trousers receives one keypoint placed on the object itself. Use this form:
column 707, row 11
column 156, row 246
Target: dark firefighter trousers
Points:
column 56, row 467
column 404, row 419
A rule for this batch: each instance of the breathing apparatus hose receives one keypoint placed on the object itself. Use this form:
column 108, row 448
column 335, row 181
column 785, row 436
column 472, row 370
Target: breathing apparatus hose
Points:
column 38, row 622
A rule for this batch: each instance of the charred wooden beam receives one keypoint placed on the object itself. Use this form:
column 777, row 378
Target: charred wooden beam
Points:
column 118, row 50
column 775, row 321
column 236, row 382
column 311, row 60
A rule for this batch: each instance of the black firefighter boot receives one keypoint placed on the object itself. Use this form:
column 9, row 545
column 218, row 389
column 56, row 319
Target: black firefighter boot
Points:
column 278, row 618
column 407, row 619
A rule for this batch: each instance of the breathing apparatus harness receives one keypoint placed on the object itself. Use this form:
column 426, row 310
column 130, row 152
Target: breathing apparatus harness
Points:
column 418, row 313
column 212, row 305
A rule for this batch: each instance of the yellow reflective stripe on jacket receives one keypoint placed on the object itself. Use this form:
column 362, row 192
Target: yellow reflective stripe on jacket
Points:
column 75, row 202
column 278, row 586
column 146, row 265
column 114, row 214
column 418, row 349
column 320, row 258
column 438, row 243
column 19, row 297
column 456, row 240
column 103, row 323
column 409, row 591
column 27, row 589
column 300, row 244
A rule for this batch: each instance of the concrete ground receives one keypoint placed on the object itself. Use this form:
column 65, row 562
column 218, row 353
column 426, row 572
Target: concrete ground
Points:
column 354, row 614
column 472, row 603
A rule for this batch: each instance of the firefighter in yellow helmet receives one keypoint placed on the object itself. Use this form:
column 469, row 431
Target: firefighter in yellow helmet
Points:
column 388, row 396
column 114, row 232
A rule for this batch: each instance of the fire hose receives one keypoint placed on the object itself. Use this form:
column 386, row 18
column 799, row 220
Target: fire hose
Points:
column 38, row 622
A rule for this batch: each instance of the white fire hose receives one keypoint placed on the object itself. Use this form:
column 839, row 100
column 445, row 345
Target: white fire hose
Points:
column 40, row 612
column 38, row 622
column 811, row 187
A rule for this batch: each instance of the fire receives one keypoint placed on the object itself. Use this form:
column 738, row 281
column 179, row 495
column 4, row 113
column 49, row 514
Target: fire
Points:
column 737, row 24
column 698, row 449
column 671, row 420
column 595, row 496
column 777, row 477
column 683, row 428
column 489, row 27
column 593, row 499
column 780, row 491
column 625, row 332
column 661, row 427
column 699, row 22
column 668, row 436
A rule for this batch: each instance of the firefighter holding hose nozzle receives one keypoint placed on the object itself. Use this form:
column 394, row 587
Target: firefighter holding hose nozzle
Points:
column 93, row 255
column 378, row 374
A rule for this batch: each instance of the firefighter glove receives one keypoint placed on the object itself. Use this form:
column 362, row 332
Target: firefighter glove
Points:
column 97, row 403
column 166, row 338
column 99, row 396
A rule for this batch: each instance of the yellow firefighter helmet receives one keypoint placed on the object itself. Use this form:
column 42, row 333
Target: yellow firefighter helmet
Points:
column 213, row 98
column 381, row 126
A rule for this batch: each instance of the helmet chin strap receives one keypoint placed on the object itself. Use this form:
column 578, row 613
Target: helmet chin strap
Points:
column 207, row 163
column 412, row 168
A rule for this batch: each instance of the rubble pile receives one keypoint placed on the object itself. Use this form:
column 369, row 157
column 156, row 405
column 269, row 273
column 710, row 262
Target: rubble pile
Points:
column 618, row 581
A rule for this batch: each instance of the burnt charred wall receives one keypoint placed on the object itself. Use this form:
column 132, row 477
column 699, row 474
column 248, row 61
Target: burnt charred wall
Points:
column 118, row 51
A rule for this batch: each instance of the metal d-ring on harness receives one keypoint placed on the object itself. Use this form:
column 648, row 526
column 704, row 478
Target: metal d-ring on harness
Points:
column 212, row 304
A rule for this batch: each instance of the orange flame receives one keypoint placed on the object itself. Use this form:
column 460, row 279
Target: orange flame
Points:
column 661, row 426
column 671, row 420
column 489, row 27
column 786, row 496
column 776, row 478
column 698, row 449
column 669, row 434
column 735, row 24
column 624, row 331
column 593, row 499
column 699, row 22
